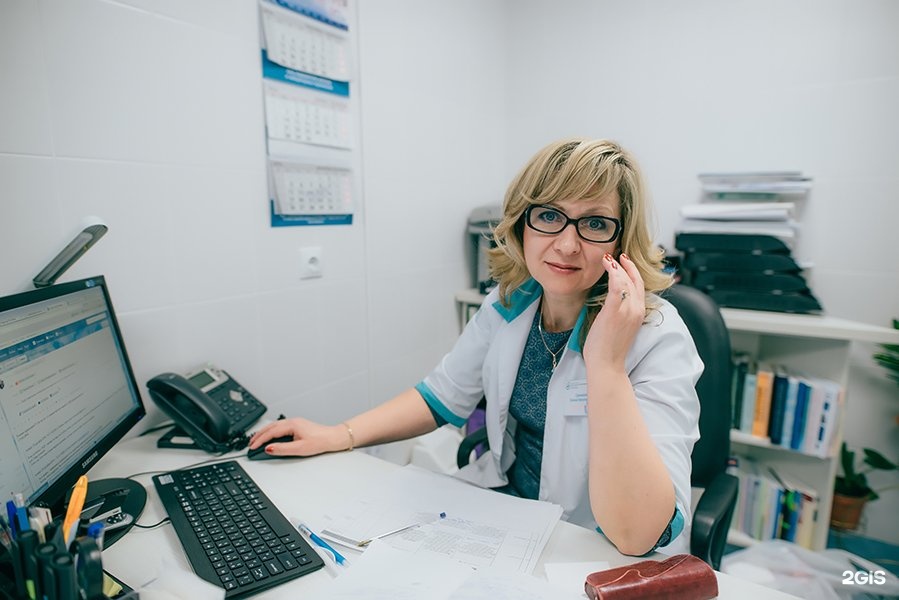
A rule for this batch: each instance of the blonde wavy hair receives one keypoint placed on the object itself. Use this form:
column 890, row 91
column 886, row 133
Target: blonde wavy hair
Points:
column 586, row 170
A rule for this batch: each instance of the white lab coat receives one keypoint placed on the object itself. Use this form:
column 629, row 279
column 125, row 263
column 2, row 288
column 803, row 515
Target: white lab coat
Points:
column 663, row 367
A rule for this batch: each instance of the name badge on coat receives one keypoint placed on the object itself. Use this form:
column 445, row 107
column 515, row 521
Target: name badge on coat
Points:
column 576, row 406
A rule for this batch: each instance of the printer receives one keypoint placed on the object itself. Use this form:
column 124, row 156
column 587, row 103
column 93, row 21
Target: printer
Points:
column 481, row 222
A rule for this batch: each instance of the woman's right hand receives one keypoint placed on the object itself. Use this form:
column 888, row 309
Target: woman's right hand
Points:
column 309, row 438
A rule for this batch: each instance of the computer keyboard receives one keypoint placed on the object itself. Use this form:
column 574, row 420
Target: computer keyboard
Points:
column 232, row 534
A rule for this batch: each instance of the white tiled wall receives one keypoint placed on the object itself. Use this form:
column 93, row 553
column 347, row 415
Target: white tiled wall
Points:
column 150, row 115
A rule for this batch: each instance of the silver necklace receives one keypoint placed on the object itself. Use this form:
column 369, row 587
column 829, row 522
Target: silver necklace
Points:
column 543, row 339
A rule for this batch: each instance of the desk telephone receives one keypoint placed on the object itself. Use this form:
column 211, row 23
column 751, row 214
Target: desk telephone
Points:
column 208, row 405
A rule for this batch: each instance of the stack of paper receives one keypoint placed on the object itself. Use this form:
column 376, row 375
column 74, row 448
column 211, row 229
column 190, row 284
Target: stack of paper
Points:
column 481, row 528
column 384, row 573
column 739, row 211
column 762, row 185
column 755, row 218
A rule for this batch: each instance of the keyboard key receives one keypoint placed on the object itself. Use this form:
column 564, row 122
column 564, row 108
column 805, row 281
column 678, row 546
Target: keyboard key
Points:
column 274, row 567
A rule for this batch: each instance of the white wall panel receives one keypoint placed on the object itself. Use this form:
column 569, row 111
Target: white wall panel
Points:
column 24, row 99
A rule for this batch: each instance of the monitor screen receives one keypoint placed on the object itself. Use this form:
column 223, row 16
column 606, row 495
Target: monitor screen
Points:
column 67, row 391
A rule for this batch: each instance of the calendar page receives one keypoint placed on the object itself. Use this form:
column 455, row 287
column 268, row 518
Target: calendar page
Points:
column 301, row 115
column 332, row 12
column 305, row 189
column 302, row 44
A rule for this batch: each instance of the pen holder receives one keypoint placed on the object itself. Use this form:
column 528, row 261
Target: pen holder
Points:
column 51, row 573
column 10, row 576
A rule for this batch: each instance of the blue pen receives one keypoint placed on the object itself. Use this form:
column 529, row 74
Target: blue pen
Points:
column 22, row 522
column 12, row 518
column 337, row 556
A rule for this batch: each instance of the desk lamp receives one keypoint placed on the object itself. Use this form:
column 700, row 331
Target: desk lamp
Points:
column 94, row 229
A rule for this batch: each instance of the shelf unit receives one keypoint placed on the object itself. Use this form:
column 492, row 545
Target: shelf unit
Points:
column 815, row 345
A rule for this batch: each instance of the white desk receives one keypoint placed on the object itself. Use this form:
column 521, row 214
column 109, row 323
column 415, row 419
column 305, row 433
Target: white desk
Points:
column 306, row 489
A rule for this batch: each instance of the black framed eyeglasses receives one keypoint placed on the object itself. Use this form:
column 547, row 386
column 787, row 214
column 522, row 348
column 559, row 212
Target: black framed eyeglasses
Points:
column 593, row 228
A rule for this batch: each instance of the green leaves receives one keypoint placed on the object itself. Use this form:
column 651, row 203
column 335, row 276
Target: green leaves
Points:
column 855, row 483
column 876, row 460
column 889, row 358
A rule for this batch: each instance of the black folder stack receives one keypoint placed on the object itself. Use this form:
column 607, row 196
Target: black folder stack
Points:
column 737, row 241
column 749, row 271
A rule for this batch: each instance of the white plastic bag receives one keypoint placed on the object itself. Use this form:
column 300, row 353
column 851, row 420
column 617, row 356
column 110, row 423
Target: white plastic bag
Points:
column 829, row 574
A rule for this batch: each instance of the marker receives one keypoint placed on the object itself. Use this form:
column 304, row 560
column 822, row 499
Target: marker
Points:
column 63, row 568
column 27, row 545
column 44, row 554
column 73, row 514
column 334, row 554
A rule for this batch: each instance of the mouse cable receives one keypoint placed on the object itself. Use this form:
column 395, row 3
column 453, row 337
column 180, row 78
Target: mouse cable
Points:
column 154, row 525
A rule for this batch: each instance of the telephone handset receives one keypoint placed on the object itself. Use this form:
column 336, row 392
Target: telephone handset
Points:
column 208, row 405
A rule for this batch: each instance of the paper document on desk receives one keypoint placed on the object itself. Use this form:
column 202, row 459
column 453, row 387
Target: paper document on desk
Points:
column 385, row 573
column 482, row 528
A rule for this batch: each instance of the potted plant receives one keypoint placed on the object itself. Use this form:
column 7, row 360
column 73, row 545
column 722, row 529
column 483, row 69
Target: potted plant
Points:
column 851, row 489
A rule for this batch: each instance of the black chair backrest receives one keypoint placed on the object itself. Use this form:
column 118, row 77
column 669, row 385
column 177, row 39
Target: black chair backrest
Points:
column 703, row 318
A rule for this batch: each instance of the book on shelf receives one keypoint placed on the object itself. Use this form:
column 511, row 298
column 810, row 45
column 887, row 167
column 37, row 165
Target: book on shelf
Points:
column 764, row 383
column 814, row 420
column 772, row 505
column 740, row 368
column 748, row 409
column 786, row 409
column 778, row 406
column 803, row 392
column 791, row 397
column 799, row 509
column 790, row 509
column 831, row 400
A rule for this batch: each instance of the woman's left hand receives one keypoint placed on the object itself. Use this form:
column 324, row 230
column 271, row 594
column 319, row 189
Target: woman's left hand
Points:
column 615, row 327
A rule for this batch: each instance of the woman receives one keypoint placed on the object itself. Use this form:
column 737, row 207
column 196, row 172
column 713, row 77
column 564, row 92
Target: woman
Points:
column 589, row 376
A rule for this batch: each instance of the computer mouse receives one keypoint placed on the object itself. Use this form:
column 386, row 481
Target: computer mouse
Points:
column 260, row 453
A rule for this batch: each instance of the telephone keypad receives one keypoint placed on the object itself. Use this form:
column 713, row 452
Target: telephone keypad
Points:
column 242, row 408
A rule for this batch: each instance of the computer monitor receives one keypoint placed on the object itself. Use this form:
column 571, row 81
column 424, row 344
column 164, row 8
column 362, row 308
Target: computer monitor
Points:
column 67, row 395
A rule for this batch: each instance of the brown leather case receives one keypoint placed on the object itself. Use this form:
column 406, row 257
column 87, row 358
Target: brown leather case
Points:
column 681, row 577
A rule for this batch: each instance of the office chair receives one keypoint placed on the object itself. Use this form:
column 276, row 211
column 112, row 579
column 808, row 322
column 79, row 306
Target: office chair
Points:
column 712, row 515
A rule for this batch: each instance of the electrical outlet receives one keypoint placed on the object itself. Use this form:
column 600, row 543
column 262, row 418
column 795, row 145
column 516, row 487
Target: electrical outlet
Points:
column 310, row 262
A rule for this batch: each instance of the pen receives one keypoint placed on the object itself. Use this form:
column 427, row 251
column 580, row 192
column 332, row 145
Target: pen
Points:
column 337, row 556
column 95, row 531
column 27, row 545
column 22, row 523
column 73, row 514
column 12, row 517
column 365, row 543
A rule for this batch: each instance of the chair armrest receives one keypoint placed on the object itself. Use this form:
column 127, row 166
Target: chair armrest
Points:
column 711, row 519
column 468, row 444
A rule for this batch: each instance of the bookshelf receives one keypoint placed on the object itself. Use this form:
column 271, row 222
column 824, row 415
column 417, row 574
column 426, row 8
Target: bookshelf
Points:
column 818, row 346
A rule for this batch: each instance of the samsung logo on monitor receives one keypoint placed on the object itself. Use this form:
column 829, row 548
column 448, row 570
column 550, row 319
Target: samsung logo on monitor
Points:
column 89, row 459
